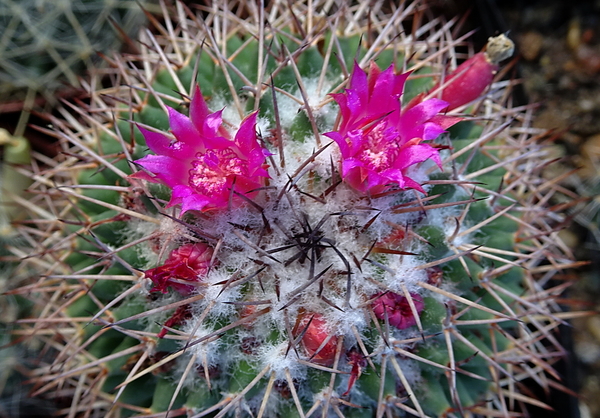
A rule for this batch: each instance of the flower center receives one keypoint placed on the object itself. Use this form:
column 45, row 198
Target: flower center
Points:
column 213, row 170
column 380, row 147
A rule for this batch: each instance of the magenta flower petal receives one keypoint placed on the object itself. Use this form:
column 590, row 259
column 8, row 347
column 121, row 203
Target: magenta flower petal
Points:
column 411, row 184
column 165, row 170
column 185, row 196
column 353, row 107
column 378, row 141
column 203, row 166
column 430, row 131
column 198, row 109
column 342, row 100
column 353, row 172
column 211, row 125
column 373, row 77
column 358, row 81
column 394, row 176
column 383, row 92
column 445, row 121
column 245, row 137
column 413, row 119
column 157, row 142
column 417, row 153
column 183, row 128
column 426, row 110
column 339, row 139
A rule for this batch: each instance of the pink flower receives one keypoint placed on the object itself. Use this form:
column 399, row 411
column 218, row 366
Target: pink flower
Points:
column 204, row 165
column 397, row 309
column 187, row 263
column 379, row 141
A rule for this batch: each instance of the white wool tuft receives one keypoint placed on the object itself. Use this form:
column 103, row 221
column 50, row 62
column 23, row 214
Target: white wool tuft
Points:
column 209, row 351
column 280, row 360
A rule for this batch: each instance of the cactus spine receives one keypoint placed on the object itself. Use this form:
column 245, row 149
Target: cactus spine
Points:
column 285, row 257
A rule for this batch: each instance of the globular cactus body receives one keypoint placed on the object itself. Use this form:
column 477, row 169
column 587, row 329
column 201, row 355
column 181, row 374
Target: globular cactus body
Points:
column 298, row 252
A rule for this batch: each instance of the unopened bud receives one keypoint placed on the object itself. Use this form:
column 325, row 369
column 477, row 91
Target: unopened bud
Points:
column 187, row 263
column 318, row 341
column 472, row 77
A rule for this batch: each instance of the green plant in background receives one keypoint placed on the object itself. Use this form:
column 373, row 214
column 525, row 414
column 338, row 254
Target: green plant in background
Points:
column 16, row 153
column 274, row 213
column 46, row 45
column 13, row 183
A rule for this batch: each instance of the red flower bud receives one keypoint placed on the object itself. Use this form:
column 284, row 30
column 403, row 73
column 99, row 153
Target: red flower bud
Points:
column 397, row 309
column 187, row 263
column 473, row 76
column 319, row 343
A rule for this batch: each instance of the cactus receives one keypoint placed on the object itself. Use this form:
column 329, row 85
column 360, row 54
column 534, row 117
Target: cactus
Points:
column 272, row 213
column 46, row 45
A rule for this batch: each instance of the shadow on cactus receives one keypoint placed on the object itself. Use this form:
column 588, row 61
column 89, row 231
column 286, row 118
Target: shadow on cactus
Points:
column 286, row 215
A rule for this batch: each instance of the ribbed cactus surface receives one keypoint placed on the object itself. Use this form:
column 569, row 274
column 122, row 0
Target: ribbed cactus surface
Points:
column 293, row 210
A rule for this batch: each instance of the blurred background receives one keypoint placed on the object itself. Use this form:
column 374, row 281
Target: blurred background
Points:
column 558, row 49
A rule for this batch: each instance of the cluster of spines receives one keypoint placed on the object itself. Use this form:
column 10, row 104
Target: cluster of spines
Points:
column 47, row 45
column 105, row 198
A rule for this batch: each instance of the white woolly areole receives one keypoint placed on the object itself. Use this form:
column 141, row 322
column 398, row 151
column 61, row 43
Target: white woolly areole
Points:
column 280, row 362
column 288, row 107
column 210, row 351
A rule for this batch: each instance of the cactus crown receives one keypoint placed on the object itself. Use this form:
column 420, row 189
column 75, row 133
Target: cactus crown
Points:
column 305, row 233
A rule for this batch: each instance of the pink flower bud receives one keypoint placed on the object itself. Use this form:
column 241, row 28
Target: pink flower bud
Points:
column 187, row 263
column 472, row 77
column 469, row 80
column 318, row 341
column 397, row 309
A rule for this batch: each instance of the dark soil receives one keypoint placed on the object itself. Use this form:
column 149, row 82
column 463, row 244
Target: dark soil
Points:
column 558, row 44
